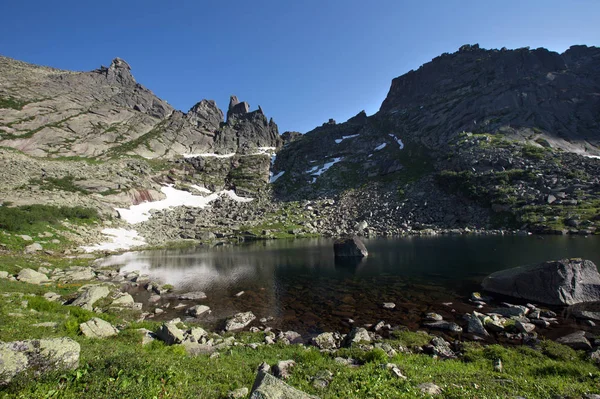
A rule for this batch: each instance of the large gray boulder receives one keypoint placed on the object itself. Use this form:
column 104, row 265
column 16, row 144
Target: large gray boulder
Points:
column 90, row 295
column 32, row 277
column 561, row 282
column 350, row 247
column 97, row 328
column 267, row 386
column 38, row 355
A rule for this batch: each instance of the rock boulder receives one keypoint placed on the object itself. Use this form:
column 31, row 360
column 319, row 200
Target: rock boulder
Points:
column 350, row 247
column 561, row 282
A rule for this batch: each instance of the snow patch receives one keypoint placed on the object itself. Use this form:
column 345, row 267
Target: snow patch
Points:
column 380, row 147
column 592, row 156
column 201, row 189
column 337, row 141
column 118, row 239
column 316, row 171
column 209, row 155
column 274, row 178
column 399, row 141
column 141, row 212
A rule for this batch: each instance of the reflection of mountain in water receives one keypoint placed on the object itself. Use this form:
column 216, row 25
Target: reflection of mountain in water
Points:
column 301, row 284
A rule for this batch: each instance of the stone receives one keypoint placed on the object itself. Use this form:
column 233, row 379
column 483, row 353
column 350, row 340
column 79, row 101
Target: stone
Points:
column 283, row 369
column 90, row 295
column 238, row 393
column 290, row 337
column 561, row 282
column 49, row 324
column 357, row 335
column 197, row 333
column 39, row 355
column 429, row 388
column 239, row 321
column 198, row 310
column 170, row 334
column 433, row 317
column 192, row 296
column 322, row 379
column 3, row 274
column 444, row 325
column 326, row 340
column 395, row 370
column 389, row 305
column 32, row 277
column 84, row 273
column 25, row 237
column 98, row 328
column 576, row 340
column 511, row 311
column 474, row 324
column 125, row 301
column 350, row 247
column 148, row 336
column 33, row 248
column 52, row 296
column 267, row 386
column 438, row 346
column 524, row 327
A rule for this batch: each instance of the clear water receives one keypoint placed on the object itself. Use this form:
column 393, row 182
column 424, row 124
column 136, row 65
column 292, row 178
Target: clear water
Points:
column 299, row 283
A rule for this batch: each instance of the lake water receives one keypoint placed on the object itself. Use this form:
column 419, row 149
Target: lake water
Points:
column 299, row 283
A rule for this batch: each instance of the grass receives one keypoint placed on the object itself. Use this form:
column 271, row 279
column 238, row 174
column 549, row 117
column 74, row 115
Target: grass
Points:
column 65, row 183
column 12, row 103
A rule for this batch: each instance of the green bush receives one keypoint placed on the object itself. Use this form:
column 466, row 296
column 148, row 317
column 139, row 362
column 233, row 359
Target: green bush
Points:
column 21, row 217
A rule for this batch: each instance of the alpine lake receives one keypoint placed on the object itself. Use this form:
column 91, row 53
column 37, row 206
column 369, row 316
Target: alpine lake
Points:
column 300, row 286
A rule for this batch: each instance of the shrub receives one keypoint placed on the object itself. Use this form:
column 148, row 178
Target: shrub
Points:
column 21, row 217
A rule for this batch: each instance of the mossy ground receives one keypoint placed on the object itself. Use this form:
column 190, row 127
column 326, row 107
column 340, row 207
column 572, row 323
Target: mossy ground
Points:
column 120, row 367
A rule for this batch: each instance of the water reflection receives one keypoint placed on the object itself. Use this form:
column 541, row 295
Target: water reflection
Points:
column 301, row 284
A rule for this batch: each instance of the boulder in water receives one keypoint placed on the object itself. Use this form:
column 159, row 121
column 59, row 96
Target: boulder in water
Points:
column 350, row 247
column 560, row 282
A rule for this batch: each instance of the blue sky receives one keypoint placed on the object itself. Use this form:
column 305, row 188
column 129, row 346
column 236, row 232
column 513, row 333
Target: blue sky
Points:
column 304, row 62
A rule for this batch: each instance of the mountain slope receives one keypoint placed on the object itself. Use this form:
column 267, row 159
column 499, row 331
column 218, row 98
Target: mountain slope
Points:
column 106, row 113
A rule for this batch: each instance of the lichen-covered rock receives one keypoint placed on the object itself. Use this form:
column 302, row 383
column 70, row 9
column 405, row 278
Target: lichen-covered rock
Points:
column 170, row 334
column 326, row 340
column 239, row 321
column 90, row 295
column 32, row 277
column 268, row 387
column 125, row 300
column 561, row 282
column 97, row 328
column 38, row 355
column 357, row 335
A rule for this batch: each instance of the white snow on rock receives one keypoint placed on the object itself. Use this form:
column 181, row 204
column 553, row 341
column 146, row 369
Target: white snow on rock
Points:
column 399, row 141
column 592, row 156
column 209, row 155
column 316, row 171
column 118, row 239
column 201, row 189
column 274, row 178
column 337, row 141
column 141, row 212
column 380, row 147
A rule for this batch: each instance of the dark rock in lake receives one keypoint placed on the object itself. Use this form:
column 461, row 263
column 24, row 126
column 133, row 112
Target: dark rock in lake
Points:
column 350, row 247
column 562, row 282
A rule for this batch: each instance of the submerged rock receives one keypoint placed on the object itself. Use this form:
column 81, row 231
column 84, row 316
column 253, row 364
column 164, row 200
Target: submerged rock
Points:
column 350, row 247
column 561, row 282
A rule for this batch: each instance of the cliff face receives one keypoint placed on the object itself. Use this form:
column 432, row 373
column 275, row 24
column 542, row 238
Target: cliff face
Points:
column 106, row 113
column 485, row 90
column 478, row 137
